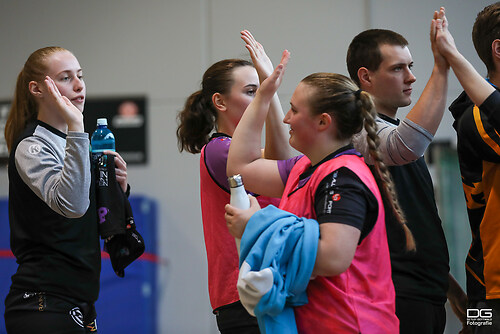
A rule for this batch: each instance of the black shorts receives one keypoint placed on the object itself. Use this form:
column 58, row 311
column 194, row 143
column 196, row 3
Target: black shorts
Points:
column 39, row 312
column 234, row 319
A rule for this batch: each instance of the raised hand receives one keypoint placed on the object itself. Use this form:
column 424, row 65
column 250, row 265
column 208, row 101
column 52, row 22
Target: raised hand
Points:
column 260, row 60
column 439, row 29
column 443, row 39
column 272, row 83
column 476, row 87
column 71, row 114
column 276, row 146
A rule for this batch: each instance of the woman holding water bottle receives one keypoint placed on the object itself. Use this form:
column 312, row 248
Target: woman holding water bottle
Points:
column 52, row 212
column 228, row 87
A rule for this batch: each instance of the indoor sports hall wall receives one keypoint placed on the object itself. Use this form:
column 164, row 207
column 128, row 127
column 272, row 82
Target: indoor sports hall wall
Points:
column 160, row 48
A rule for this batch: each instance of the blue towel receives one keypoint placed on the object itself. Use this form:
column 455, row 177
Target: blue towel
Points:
column 278, row 252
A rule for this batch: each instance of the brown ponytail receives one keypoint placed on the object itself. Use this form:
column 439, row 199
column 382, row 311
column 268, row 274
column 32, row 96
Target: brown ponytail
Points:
column 196, row 122
column 339, row 96
column 24, row 108
column 198, row 118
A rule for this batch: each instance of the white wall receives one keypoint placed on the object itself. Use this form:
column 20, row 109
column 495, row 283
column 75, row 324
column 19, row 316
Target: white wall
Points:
column 161, row 49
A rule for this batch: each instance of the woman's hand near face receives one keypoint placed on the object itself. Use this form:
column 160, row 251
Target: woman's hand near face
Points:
column 261, row 175
column 71, row 114
column 269, row 86
column 276, row 144
column 237, row 219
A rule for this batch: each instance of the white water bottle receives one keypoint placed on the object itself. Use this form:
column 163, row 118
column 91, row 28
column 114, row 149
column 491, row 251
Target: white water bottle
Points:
column 239, row 198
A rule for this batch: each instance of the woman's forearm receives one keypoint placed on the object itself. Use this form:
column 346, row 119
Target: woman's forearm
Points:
column 277, row 146
column 246, row 142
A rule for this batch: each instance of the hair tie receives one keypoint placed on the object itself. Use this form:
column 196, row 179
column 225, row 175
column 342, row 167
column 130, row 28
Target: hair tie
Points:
column 358, row 93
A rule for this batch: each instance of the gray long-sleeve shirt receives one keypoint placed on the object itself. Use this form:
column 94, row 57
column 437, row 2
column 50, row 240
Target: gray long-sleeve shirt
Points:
column 399, row 145
column 52, row 167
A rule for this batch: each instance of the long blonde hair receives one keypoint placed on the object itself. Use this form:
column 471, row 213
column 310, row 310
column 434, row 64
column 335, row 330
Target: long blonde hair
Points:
column 24, row 108
column 352, row 108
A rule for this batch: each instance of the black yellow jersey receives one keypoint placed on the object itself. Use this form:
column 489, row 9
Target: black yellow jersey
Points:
column 478, row 149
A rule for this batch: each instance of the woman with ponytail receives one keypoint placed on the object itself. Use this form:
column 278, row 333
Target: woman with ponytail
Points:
column 52, row 212
column 206, row 125
column 351, row 290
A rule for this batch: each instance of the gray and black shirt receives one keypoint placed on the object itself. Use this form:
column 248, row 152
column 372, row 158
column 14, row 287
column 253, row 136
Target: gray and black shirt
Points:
column 53, row 223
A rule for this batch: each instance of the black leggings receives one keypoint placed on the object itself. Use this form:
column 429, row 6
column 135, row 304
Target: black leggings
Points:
column 417, row 317
column 30, row 312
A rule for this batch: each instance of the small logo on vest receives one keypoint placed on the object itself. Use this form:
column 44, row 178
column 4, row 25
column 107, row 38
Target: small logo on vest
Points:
column 336, row 197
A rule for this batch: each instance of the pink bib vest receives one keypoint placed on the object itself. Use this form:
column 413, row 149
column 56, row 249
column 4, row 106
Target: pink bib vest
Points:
column 362, row 299
column 222, row 257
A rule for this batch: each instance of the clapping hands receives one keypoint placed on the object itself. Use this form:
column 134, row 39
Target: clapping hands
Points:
column 441, row 39
column 269, row 86
column 260, row 60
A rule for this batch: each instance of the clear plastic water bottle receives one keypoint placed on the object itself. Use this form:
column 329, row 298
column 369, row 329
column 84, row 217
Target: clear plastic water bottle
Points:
column 102, row 139
column 239, row 198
